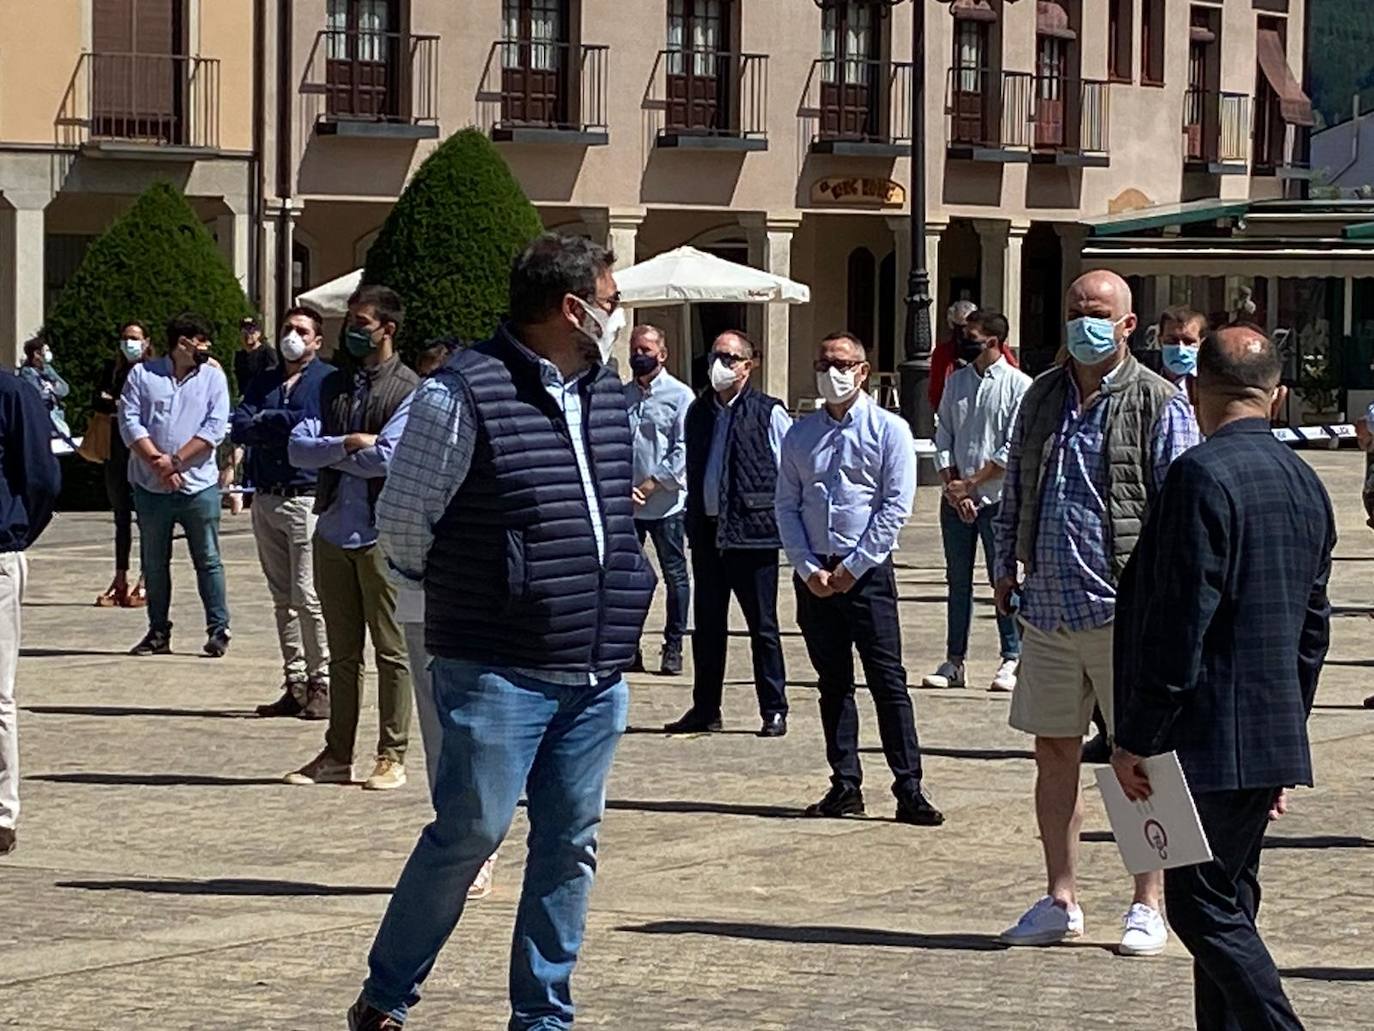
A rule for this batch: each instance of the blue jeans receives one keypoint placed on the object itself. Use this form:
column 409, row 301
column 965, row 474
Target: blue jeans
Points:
column 668, row 536
column 961, row 547
column 198, row 516
column 504, row 732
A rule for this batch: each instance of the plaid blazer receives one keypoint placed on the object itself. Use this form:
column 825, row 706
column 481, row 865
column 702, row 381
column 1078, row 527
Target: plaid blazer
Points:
column 1223, row 619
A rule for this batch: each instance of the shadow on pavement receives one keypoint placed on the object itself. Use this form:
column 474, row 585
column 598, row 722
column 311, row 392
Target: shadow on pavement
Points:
column 225, row 886
column 156, row 780
column 660, row 732
column 63, row 653
column 983, row 754
column 134, row 710
column 1330, row 973
column 1350, row 662
column 814, row 935
column 775, row 812
column 1272, row 841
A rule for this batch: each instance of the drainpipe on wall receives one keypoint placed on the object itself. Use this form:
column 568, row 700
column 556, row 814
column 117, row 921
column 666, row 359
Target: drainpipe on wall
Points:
column 255, row 183
column 285, row 157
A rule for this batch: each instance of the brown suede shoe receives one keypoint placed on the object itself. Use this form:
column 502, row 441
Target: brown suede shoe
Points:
column 316, row 701
column 363, row 1017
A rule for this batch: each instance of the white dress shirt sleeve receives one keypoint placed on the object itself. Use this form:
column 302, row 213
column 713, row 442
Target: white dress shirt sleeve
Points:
column 892, row 503
column 944, row 430
column 787, row 507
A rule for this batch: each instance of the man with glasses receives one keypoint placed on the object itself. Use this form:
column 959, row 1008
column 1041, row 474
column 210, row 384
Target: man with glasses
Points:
column 845, row 491
column 734, row 443
column 509, row 500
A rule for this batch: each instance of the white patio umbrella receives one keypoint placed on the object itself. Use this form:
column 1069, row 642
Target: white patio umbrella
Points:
column 687, row 275
column 331, row 299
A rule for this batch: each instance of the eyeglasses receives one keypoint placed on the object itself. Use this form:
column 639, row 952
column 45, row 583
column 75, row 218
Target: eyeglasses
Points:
column 843, row 364
column 727, row 359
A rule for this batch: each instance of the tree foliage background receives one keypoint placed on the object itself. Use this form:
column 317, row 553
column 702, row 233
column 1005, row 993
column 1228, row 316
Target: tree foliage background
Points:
column 447, row 245
column 1341, row 57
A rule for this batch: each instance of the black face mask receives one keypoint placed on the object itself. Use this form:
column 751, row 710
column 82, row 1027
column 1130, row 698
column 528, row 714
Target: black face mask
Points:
column 967, row 348
column 643, row 364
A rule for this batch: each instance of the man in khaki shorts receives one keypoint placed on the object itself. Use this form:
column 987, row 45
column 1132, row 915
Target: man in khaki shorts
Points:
column 1092, row 443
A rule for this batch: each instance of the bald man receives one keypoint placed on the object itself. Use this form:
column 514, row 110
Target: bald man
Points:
column 1222, row 629
column 1093, row 441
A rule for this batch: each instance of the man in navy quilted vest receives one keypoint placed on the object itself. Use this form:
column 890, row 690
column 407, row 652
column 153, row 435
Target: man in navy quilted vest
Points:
column 734, row 441
column 509, row 500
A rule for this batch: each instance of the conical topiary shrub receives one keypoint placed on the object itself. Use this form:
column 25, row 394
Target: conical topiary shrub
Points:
column 447, row 245
column 155, row 261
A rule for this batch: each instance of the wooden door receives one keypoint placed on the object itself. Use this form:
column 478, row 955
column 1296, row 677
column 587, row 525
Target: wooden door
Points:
column 534, row 63
column 363, row 56
column 138, row 70
column 698, row 68
column 1049, row 92
column 1195, row 101
column 971, row 91
column 850, row 95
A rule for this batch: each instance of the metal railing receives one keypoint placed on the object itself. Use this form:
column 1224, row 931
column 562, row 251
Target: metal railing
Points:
column 1025, row 111
column 861, row 101
column 1216, row 126
column 158, row 99
column 543, row 84
column 354, row 75
column 709, row 93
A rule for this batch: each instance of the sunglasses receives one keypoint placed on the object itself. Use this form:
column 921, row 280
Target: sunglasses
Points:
column 727, row 359
column 843, row 364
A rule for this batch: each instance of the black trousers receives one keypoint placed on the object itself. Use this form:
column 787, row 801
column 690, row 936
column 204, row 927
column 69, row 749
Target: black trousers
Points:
column 1212, row 908
column 865, row 617
column 751, row 575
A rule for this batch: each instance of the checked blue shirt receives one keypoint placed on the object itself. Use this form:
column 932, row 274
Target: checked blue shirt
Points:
column 1072, row 585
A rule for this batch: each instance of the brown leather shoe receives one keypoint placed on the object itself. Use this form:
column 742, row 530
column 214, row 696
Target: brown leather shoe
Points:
column 316, row 701
column 363, row 1017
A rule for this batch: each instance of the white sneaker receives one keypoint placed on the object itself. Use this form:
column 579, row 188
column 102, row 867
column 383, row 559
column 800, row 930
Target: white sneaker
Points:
column 1004, row 681
column 950, row 674
column 1146, row 932
column 1045, row 923
column 485, row 881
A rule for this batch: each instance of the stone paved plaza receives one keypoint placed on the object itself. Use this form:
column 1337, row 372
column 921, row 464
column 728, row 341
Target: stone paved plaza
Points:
column 166, row 879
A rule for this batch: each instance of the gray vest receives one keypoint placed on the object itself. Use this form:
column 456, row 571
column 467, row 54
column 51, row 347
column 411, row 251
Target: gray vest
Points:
column 1136, row 397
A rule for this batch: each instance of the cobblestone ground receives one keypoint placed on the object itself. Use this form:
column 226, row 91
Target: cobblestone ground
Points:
column 166, row 880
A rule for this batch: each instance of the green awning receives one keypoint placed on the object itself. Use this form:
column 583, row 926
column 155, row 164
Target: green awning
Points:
column 1359, row 231
column 1162, row 216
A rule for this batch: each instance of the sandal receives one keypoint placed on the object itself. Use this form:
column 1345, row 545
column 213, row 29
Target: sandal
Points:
column 114, row 597
column 135, row 599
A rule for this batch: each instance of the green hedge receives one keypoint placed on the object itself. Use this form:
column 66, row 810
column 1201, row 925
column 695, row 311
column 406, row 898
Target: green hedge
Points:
column 447, row 245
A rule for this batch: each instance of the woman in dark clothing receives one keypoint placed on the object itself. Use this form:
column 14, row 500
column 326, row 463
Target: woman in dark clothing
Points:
column 134, row 346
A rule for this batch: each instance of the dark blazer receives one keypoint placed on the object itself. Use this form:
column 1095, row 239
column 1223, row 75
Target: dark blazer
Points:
column 264, row 418
column 1222, row 619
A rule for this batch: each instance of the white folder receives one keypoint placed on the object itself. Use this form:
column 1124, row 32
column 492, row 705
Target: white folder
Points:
column 1163, row 831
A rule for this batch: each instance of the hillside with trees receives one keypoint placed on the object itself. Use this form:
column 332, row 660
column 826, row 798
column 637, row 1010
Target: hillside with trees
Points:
column 1341, row 54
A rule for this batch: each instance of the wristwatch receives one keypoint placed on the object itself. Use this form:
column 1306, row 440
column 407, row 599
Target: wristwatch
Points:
column 176, row 463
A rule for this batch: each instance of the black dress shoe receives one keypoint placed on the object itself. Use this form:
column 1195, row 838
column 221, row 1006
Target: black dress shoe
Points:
column 840, row 800
column 1098, row 751
column 671, row 665
column 694, row 723
column 157, row 642
column 289, row 704
column 363, row 1017
column 1369, row 702
column 919, row 812
column 774, row 725
column 217, row 643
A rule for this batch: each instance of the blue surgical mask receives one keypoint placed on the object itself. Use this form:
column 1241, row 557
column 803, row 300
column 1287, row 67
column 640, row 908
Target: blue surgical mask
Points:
column 1091, row 341
column 358, row 341
column 1180, row 359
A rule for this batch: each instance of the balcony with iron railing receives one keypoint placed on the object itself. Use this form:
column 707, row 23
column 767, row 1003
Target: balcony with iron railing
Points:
column 709, row 100
column 372, row 84
column 1020, row 117
column 1216, row 130
column 156, row 103
column 541, row 91
column 857, row 108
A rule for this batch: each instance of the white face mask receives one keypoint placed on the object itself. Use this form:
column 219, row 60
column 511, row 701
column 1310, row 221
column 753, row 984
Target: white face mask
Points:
column 47, row 355
column 722, row 377
column 836, row 386
column 604, row 329
column 131, row 349
column 293, row 346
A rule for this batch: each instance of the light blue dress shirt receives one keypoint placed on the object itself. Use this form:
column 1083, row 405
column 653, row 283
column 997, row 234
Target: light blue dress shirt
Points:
column 348, row 522
column 433, row 460
column 977, row 413
column 778, row 426
column 658, row 423
column 845, row 488
column 154, row 404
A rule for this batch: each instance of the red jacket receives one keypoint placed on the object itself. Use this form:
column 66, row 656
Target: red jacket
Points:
column 942, row 364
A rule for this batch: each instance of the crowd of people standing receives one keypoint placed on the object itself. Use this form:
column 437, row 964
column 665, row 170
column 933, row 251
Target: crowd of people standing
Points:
column 515, row 482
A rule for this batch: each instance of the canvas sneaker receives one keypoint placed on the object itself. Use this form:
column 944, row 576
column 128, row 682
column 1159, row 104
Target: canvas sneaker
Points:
column 323, row 769
column 1045, row 923
column 486, row 879
column 950, row 674
column 1004, row 680
column 1145, row 933
column 387, row 775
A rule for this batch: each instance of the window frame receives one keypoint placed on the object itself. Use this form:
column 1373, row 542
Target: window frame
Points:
column 1120, row 40
column 1154, row 16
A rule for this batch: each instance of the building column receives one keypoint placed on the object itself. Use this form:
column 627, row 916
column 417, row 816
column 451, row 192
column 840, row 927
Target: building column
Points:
column 22, row 240
column 1071, row 236
column 992, row 239
column 232, row 235
column 1011, row 283
column 774, row 235
column 618, row 229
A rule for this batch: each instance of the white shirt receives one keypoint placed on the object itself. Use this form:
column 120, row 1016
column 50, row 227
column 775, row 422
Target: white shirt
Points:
column 977, row 413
